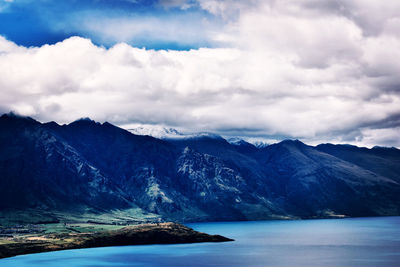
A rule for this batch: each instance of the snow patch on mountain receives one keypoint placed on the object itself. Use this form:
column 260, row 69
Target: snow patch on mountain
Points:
column 162, row 132
column 259, row 143
column 156, row 131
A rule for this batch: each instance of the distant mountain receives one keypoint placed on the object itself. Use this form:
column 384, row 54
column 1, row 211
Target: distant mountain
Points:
column 156, row 131
column 260, row 144
column 161, row 132
column 87, row 168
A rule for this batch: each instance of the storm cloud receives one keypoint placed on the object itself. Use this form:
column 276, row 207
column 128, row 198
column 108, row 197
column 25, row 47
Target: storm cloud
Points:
column 320, row 72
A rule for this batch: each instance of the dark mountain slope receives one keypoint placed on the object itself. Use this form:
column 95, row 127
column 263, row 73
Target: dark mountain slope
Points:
column 142, row 166
column 235, row 157
column 41, row 170
column 312, row 182
column 381, row 160
column 92, row 167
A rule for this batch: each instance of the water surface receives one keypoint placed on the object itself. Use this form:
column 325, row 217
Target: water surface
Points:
column 338, row 242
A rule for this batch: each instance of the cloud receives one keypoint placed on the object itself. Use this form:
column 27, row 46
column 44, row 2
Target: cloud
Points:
column 275, row 69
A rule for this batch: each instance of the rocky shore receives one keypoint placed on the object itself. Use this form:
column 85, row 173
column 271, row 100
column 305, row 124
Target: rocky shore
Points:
column 162, row 233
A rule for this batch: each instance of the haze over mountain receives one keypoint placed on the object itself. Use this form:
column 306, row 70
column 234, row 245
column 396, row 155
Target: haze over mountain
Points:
column 90, row 168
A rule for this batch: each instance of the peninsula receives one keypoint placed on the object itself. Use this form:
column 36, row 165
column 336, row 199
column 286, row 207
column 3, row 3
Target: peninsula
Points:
column 161, row 233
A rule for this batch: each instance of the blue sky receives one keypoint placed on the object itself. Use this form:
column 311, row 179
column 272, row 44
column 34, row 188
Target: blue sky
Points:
column 319, row 71
column 35, row 23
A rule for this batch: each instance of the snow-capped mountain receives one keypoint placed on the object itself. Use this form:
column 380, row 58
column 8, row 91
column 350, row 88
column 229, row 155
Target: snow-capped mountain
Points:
column 156, row 131
column 260, row 144
column 161, row 132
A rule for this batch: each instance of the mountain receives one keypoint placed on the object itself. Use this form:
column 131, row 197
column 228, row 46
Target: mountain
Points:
column 316, row 182
column 99, row 171
column 380, row 160
column 156, row 131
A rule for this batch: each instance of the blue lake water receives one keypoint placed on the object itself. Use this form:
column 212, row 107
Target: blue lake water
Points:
column 336, row 242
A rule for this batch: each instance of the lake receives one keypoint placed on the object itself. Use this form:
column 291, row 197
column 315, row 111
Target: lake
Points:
column 333, row 242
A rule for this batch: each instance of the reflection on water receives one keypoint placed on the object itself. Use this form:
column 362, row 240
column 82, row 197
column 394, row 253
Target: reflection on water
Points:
column 339, row 242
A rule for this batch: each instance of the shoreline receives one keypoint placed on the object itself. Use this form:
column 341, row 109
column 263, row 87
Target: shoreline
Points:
column 145, row 234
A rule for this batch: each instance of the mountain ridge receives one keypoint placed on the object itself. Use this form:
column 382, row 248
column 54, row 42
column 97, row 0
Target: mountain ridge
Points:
column 87, row 167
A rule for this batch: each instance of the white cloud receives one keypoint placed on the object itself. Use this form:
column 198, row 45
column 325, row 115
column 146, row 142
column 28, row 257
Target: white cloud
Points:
column 318, row 73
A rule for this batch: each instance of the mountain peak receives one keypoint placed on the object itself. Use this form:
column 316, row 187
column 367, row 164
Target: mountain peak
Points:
column 14, row 116
column 259, row 143
column 83, row 121
column 239, row 142
column 156, row 131
column 296, row 142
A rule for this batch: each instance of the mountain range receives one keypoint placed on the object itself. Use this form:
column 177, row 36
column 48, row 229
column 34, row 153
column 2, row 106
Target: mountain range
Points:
column 87, row 169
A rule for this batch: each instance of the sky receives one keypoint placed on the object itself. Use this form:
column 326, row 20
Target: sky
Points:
column 318, row 71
